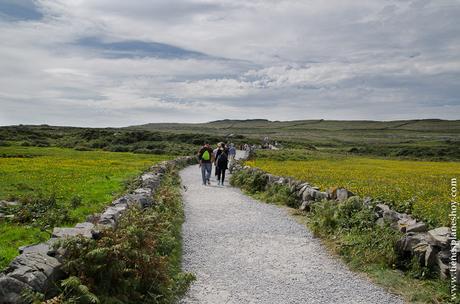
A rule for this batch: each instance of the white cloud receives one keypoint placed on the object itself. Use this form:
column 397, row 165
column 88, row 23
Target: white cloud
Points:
column 273, row 59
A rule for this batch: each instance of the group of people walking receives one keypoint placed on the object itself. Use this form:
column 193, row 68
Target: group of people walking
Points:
column 221, row 157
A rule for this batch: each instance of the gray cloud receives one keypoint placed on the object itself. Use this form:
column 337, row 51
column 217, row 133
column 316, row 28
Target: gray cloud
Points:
column 16, row 10
column 116, row 63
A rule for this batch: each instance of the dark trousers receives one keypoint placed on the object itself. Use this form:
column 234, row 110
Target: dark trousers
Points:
column 220, row 174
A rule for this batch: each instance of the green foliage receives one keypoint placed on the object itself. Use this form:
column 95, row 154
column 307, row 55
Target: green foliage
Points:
column 374, row 245
column 75, row 292
column 42, row 212
column 413, row 290
column 324, row 219
column 279, row 194
column 416, row 270
column 76, row 201
column 32, row 297
column 109, row 139
column 352, row 225
column 350, row 229
column 443, row 151
column 139, row 261
column 251, row 182
column 256, row 184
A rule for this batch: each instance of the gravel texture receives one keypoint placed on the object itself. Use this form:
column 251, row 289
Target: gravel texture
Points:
column 245, row 251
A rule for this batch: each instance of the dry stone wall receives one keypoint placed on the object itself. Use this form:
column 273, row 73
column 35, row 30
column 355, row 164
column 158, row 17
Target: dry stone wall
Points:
column 38, row 267
column 432, row 248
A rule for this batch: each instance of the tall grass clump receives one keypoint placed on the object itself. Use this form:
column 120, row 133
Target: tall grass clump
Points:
column 351, row 225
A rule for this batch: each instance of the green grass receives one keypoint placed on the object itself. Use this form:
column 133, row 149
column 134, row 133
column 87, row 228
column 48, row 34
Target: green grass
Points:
column 418, row 187
column 413, row 290
column 14, row 236
column 94, row 176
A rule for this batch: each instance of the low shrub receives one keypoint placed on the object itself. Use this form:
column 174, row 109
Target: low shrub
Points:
column 256, row 183
column 323, row 218
column 118, row 148
column 82, row 148
column 42, row 212
column 250, row 181
column 288, row 154
column 280, row 194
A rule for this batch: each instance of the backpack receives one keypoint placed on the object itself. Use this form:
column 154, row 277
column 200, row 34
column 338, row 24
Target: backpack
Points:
column 206, row 155
column 222, row 160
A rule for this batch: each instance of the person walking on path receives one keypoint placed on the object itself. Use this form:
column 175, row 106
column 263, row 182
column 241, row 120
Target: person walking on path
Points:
column 217, row 152
column 221, row 167
column 206, row 158
column 214, row 154
column 231, row 156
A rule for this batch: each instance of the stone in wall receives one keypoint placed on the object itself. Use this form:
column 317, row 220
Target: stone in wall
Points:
column 409, row 241
column 339, row 194
column 11, row 289
column 431, row 248
column 143, row 191
column 83, row 229
column 151, row 180
column 440, row 237
column 110, row 216
column 416, row 227
column 34, row 269
column 343, row 194
column 312, row 194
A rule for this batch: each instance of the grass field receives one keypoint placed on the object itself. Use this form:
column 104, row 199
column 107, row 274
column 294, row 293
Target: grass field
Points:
column 88, row 180
column 418, row 187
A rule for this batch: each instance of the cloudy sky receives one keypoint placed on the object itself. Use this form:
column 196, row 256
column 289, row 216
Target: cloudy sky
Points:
column 118, row 62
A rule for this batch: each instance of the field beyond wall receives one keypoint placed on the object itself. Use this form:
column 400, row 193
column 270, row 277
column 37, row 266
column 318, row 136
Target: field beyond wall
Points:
column 73, row 184
column 421, row 188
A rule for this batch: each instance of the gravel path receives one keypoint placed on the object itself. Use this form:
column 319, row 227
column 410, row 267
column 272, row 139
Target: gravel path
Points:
column 245, row 251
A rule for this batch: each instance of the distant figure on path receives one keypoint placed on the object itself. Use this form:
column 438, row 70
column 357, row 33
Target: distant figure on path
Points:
column 231, row 156
column 206, row 158
column 221, row 166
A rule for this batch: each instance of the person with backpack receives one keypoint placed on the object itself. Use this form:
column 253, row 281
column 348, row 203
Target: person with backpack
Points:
column 221, row 166
column 217, row 152
column 206, row 159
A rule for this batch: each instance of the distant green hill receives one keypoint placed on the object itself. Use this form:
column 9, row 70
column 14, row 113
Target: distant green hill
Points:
column 333, row 125
column 421, row 138
column 433, row 139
